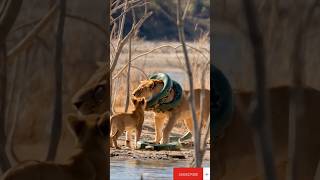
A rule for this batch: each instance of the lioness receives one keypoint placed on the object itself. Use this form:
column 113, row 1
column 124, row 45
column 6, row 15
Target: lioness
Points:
column 90, row 163
column 128, row 122
column 150, row 87
column 235, row 153
column 91, row 98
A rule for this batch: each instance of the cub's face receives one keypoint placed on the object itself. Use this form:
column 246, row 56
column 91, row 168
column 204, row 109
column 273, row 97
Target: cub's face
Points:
column 89, row 128
column 139, row 103
column 91, row 98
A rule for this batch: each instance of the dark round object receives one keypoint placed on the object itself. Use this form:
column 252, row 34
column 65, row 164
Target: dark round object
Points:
column 221, row 101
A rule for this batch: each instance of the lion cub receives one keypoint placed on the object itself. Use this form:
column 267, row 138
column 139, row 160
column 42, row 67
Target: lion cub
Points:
column 90, row 163
column 128, row 122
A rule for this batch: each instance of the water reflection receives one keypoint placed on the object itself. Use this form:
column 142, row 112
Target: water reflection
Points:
column 150, row 169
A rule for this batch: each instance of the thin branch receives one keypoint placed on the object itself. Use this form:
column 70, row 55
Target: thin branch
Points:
column 296, row 106
column 259, row 115
column 125, row 39
column 128, row 78
column 126, row 11
column 20, row 71
column 87, row 21
column 186, row 10
column 58, row 105
column 27, row 40
column 117, row 7
column 9, row 13
column 202, row 95
column 180, row 25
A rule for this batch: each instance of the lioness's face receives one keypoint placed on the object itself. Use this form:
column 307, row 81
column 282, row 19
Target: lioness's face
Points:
column 147, row 88
column 91, row 98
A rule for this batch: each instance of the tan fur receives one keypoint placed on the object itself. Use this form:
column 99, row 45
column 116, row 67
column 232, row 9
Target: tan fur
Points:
column 235, row 154
column 149, row 87
column 128, row 122
column 89, row 164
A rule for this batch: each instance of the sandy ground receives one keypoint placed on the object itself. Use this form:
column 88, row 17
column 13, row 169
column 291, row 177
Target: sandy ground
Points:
column 148, row 134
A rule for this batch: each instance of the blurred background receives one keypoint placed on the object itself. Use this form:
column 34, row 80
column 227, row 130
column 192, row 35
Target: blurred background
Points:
column 279, row 23
column 284, row 37
column 30, row 70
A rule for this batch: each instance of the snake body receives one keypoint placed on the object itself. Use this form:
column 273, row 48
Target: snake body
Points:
column 221, row 99
column 156, row 102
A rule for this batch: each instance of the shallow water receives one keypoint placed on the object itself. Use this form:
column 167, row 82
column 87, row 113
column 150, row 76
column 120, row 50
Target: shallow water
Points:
column 150, row 169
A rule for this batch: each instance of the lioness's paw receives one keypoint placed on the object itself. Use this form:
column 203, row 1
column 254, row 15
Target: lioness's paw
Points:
column 163, row 141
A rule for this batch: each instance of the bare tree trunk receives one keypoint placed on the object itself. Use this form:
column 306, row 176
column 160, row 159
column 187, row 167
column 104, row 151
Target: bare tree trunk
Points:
column 129, row 63
column 9, row 12
column 128, row 78
column 191, row 96
column 259, row 115
column 57, row 116
column 207, row 130
column 16, row 95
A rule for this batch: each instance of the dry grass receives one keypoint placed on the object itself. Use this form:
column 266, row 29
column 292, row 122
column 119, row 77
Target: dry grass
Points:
column 166, row 59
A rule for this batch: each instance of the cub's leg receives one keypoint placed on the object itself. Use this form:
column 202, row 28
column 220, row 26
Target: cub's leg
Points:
column 138, row 134
column 167, row 129
column 115, row 137
column 128, row 138
column 159, row 122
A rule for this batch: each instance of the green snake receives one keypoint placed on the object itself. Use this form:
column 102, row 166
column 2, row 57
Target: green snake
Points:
column 221, row 100
column 157, row 101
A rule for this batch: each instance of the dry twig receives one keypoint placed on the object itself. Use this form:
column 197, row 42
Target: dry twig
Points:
column 191, row 96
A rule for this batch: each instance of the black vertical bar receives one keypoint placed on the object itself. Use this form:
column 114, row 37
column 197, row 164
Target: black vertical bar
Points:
column 108, row 76
column 211, row 85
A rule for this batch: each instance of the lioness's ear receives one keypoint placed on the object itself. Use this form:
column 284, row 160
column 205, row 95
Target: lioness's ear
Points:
column 76, row 125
